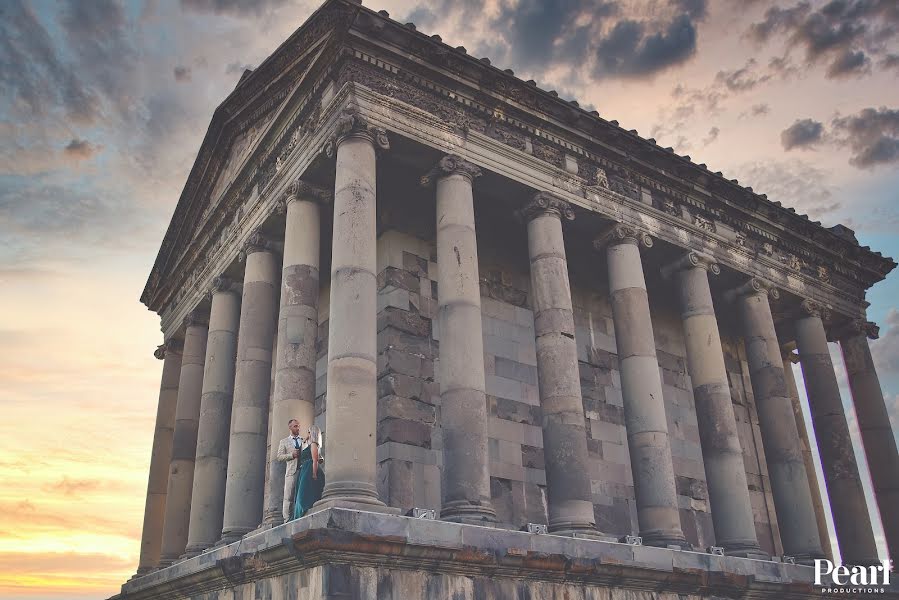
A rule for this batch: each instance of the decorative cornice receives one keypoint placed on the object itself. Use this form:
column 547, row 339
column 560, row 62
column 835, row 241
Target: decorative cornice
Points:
column 170, row 345
column 257, row 242
column 753, row 287
column 353, row 124
column 544, row 203
column 621, row 233
column 451, row 164
column 196, row 317
column 691, row 260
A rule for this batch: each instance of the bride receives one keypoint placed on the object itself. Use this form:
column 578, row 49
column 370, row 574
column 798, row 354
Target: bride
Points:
column 311, row 476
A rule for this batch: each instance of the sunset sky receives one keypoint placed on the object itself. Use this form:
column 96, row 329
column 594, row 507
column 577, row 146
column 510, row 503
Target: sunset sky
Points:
column 103, row 106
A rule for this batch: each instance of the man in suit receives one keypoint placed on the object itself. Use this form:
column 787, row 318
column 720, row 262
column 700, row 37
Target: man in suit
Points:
column 289, row 451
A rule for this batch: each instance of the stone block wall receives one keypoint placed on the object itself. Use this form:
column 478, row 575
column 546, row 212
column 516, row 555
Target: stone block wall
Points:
column 409, row 452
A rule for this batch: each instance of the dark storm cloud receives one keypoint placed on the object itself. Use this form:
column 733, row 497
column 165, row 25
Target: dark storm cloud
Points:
column 182, row 74
column 890, row 61
column 33, row 72
column 872, row 134
column 842, row 33
column 629, row 51
column 234, row 8
column 803, row 133
column 79, row 149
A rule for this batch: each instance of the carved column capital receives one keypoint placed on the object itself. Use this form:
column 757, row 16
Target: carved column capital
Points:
column 451, row 164
column 257, row 242
column 222, row 283
column 353, row 124
column 170, row 345
column 752, row 287
column 544, row 203
column 196, row 317
column 622, row 233
column 692, row 260
column 856, row 327
column 812, row 308
column 302, row 190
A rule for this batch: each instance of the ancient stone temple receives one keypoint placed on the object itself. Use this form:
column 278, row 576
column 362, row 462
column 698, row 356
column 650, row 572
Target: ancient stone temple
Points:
column 549, row 358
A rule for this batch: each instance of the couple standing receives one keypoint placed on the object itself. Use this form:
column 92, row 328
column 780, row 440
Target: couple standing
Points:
column 304, row 479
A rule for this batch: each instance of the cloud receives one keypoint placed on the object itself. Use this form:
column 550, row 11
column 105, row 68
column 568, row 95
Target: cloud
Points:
column 885, row 350
column 872, row 134
column 232, row 8
column 797, row 184
column 182, row 74
column 711, row 137
column 840, row 33
column 73, row 487
column 80, row 149
column 630, row 51
column 890, row 61
column 758, row 110
column 804, row 133
column 742, row 79
column 237, row 68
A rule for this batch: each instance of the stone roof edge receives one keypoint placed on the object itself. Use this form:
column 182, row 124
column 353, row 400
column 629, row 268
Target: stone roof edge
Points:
column 650, row 143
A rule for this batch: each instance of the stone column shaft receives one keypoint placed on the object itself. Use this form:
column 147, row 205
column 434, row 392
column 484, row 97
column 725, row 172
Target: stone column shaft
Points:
column 350, row 417
column 808, row 458
column 877, row 434
column 721, row 451
column 648, row 440
column 252, row 383
column 184, row 442
column 208, row 498
column 466, row 474
column 294, row 395
column 844, row 487
column 570, row 497
column 783, row 449
column 161, row 457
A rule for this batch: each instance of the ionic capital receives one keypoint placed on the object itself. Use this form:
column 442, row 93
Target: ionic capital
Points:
column 857, row 327
column 353, row 124
column 451, row 164
column 692, row 260
column 622, row 233
column 303, row 190
column 752, row 287
column 170, row 345
column 222, row 283
column 812, row 308
column 257, row 242
column 196, row 317
column 544, row 203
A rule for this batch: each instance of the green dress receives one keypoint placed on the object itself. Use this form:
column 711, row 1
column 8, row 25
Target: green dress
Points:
column 308, row 491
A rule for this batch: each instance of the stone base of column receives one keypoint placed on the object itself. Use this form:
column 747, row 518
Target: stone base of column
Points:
column 362, row 504
column 666, row 539
column 583, row 533
column 746, row 549
column 167, row 561
column 809, row 559
column 141, row 571
column 272, row 520
column 463, row 511
column 195, row 550
column 230, row 536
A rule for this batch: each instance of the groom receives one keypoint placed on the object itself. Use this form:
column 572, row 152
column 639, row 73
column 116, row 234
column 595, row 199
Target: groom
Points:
column 289, row 451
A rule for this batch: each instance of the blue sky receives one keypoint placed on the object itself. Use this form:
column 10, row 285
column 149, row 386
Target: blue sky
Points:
column 103, row 106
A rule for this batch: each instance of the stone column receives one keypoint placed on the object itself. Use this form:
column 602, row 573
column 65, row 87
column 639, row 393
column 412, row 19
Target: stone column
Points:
column 252, row 383
column 208, row 497
column 844, row 487
column 570, row 498
column 783, row 449
column 350, row 418
column 184, row 442
column 874, row 424
column 463, row 400
column 161, row 457
column 294, row 395
column 649, row 444
column 721, row 452
column 808, row 458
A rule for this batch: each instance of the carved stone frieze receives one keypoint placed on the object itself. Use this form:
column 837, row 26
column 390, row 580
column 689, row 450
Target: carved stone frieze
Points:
column 451, row 164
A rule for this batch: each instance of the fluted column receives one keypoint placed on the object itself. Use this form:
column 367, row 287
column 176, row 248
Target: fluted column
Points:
column 252, row 383
column 208, row 498
column 875, row 428
column 294, row 394
column 161, row 457
column 789, row 358
column 350, row 417
column 569, row 496
column 844, row 487
column 721, row 452
column 649, row 444
column 463, row 400
column 184, row 442
column 783, row 450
